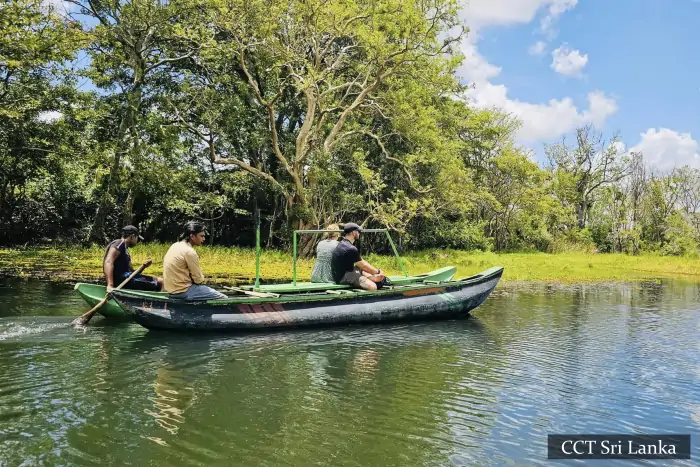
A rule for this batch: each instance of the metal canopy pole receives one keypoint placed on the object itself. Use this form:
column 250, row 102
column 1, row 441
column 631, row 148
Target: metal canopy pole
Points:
column 257, row 249
column 294, row 274
column 398, row 258
column 391, row 242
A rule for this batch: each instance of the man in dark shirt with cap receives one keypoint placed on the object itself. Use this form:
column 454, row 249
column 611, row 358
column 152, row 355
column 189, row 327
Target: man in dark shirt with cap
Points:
column 347, row 265
column 116, row 264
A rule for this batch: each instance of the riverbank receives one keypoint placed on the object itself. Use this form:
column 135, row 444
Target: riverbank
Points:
column 237, row 265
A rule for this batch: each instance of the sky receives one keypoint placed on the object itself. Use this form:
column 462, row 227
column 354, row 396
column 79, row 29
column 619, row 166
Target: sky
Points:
column 624, row 66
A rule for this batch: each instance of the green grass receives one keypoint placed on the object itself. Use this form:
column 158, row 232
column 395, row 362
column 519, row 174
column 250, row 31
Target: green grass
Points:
column 237, row 265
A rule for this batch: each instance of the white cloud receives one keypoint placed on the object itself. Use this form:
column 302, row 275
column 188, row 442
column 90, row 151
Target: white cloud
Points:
column 537, row 48
column 568, row 62
column 665, row 149
column 475, row 68
column 619, row 146
column 541, row 121
column 547, row 120
column 49, row 116
column 556, row 9
column 482, row 13
column 600, row 107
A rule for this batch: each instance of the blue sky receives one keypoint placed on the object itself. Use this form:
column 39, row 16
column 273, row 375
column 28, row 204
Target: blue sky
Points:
column 639, row 58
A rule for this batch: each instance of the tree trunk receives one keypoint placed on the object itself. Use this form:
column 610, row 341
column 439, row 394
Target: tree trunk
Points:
column 581, row 211
column 304, row 219
column 127, row 122
column 306, row 242
column 129, row 209
column 97, row 231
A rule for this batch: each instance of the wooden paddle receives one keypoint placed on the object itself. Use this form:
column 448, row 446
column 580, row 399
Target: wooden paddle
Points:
column 85, row 318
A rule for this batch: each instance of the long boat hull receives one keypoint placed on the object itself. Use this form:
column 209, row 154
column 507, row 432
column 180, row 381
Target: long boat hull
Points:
column 94, row 293
column 440, row 300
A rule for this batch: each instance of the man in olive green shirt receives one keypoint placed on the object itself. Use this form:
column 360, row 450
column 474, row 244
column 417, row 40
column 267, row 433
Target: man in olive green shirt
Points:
column 182, row 276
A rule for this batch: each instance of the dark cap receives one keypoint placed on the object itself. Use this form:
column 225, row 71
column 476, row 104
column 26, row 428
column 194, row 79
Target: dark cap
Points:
column 351, row 227
column 131, row 230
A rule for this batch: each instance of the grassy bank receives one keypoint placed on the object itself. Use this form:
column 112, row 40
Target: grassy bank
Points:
column 237, row 265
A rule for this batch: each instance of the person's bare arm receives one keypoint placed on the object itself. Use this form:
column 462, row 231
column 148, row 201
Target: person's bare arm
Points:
column 368, row 268
column 108, row 267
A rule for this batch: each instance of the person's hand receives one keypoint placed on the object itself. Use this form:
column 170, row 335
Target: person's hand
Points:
column 109, row 288
column 148, row 262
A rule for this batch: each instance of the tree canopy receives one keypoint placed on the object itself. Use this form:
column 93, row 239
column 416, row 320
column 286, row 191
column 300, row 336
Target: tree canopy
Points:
column 316, row 112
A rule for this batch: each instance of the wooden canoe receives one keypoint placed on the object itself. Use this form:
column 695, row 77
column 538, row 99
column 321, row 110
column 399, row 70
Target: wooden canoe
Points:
column 425, row 300
column 94, row 293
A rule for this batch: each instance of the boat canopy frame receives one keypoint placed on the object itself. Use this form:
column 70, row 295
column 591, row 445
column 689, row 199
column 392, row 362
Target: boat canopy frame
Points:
column 303, row 231
column 386, row 231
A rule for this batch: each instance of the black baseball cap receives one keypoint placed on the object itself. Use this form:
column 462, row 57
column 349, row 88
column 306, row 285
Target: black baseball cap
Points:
column 351, row 227
column 131, row 230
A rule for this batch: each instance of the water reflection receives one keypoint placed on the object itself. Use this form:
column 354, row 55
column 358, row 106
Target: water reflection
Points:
column 485, row 391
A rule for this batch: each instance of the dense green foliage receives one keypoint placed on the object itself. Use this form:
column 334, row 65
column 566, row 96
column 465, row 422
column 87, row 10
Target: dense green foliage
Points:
column 154, row 113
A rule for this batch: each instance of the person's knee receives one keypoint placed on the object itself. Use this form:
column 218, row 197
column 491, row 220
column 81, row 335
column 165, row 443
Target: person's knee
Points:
column 367, row 284
column 221, row 296
column 215, row 294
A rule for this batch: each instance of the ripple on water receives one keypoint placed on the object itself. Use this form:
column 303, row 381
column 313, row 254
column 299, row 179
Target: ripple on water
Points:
column 485, row 391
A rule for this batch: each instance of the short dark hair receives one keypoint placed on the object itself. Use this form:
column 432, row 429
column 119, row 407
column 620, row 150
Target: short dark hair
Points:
column 192, row 228
column 129, row 230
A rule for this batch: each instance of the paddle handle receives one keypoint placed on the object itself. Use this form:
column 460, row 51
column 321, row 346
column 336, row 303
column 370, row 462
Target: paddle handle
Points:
column 86, row 316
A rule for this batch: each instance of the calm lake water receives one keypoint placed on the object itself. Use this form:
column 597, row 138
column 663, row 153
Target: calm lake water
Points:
column 531, row 361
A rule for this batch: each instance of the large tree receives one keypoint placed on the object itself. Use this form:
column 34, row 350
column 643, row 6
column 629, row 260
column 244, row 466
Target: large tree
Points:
column 328, row 78
column 134, row 46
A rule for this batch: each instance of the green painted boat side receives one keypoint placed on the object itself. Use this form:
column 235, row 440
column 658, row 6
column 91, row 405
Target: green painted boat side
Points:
column 94, row 293
column 330, row 295
column 440, row 275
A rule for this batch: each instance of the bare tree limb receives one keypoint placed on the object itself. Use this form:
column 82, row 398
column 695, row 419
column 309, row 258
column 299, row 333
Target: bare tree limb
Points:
column 167, row 60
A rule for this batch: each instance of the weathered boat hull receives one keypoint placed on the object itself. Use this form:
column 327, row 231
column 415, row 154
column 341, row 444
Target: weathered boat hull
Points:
column 446, row 300
column 94, row 293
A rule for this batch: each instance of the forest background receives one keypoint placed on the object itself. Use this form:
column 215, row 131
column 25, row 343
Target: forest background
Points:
column 153, row 113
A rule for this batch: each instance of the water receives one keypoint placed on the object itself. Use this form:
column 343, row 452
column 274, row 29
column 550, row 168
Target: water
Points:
column 484, row 391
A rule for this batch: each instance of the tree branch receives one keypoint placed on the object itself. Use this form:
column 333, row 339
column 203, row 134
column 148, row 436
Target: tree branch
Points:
column 329, row 141
column 302, row 148
column 167, row 60
column 271, row 121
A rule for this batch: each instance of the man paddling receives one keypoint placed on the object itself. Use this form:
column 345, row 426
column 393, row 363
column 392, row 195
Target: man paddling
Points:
column 116, row 264
column 347, row 265
column 182, row 275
